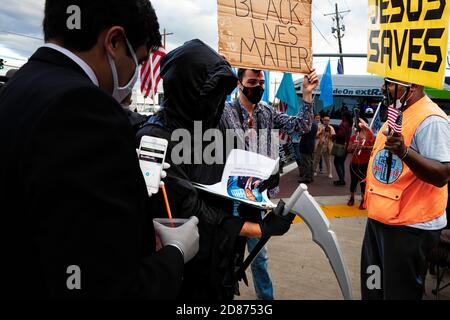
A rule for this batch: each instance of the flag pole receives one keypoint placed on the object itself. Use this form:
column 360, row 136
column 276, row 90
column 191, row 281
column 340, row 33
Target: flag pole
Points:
column 390, row 155
column 153, row 80
column 375, row 116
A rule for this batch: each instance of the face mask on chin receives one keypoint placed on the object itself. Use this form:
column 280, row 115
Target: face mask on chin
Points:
column 253, row 94
column 398, row 102
column 120, row 93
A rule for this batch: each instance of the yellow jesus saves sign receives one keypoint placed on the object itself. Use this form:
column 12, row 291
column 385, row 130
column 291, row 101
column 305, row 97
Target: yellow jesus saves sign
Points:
column 408, row 40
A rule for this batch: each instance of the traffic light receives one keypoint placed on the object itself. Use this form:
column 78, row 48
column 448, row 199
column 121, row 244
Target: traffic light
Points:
column 1, row 64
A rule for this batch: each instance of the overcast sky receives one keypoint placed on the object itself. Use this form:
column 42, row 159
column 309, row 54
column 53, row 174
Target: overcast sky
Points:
column 189, row 19
column 198, row 18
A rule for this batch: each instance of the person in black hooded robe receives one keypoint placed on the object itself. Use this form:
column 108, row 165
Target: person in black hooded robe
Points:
column 196, row 83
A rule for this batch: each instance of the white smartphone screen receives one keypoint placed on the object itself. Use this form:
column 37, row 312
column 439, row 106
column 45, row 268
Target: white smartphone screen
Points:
column 152, row 152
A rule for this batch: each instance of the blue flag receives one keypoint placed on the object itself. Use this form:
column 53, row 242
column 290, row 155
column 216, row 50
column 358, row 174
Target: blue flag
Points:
column 287, row 94
column 266, row 96
column 234, row 94
column 326, row 88
column 340, row 67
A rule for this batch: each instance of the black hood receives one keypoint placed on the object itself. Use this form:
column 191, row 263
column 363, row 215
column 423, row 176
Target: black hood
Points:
column 196, row 83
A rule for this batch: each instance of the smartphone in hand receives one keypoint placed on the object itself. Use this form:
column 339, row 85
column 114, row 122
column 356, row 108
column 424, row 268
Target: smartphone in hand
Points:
column 152, row 153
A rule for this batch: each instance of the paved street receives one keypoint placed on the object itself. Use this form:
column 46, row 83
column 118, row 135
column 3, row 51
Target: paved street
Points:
column 298, row 266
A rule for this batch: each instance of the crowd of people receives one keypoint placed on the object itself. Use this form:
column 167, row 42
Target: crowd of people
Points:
column 74, row 194
column 82, row 200
column 324, row 145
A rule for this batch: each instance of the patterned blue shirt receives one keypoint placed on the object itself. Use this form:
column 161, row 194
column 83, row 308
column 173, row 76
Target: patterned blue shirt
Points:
column 266, row 118
column 236, row 117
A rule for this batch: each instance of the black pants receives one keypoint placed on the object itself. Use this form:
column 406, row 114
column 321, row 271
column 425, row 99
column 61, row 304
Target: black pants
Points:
column 399, row 253
column 339, row 164
column 358, row 173
column 306, row 165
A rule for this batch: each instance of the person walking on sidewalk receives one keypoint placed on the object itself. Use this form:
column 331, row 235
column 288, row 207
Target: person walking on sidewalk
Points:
column 324, row 146
column 318, row 119
column 360, row 146
column 341, row 140
column 307, row 144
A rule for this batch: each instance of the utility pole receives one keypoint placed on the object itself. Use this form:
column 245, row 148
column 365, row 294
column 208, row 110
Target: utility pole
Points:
column 339, row 30
column 165, row 34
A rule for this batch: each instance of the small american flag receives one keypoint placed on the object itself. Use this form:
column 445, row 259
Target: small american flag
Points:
column 149, row 83
column 395, row 119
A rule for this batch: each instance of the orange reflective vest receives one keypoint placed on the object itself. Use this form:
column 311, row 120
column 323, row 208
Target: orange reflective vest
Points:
column 406, row 199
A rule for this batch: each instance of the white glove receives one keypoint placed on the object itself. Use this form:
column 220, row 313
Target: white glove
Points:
column 166, row 166
column 184, row 237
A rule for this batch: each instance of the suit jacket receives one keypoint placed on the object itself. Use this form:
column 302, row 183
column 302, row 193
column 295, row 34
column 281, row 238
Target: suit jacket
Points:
column 72, row 193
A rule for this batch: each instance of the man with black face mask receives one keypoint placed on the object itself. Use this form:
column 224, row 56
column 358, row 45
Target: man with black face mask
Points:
column 253, row 122
column 196, row 83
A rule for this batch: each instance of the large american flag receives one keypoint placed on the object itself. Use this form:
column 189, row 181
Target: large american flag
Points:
column 395, row 119
column 149, row 84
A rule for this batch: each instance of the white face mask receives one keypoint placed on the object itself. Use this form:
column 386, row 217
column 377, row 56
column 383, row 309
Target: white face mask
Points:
column 120, row 93
column 398, row 104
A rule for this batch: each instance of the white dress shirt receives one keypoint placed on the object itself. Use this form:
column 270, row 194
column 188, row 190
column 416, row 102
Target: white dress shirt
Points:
column 83, row 65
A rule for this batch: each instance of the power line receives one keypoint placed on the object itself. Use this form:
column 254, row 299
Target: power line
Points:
column 317, row 28
column 11, row 66
column 317, row 8
column 348, row 8
column 9, row 57
column 164, row 35
column 339, row 30
column 15, row 49
column 320, row 32
column 22, row 35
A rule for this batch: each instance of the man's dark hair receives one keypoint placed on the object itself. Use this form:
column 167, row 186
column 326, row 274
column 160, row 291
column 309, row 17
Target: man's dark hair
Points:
column 137, row 17
column 241, row 73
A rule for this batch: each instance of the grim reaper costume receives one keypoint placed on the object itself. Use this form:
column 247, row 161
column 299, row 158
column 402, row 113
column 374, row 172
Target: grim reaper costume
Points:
column 196, row 83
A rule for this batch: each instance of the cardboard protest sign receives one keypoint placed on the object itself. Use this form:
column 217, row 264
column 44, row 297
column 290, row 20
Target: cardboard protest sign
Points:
column 408, row 40
column 266, row 34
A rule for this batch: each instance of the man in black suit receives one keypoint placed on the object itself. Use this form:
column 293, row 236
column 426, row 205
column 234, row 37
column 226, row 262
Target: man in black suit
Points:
column 76, row 216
